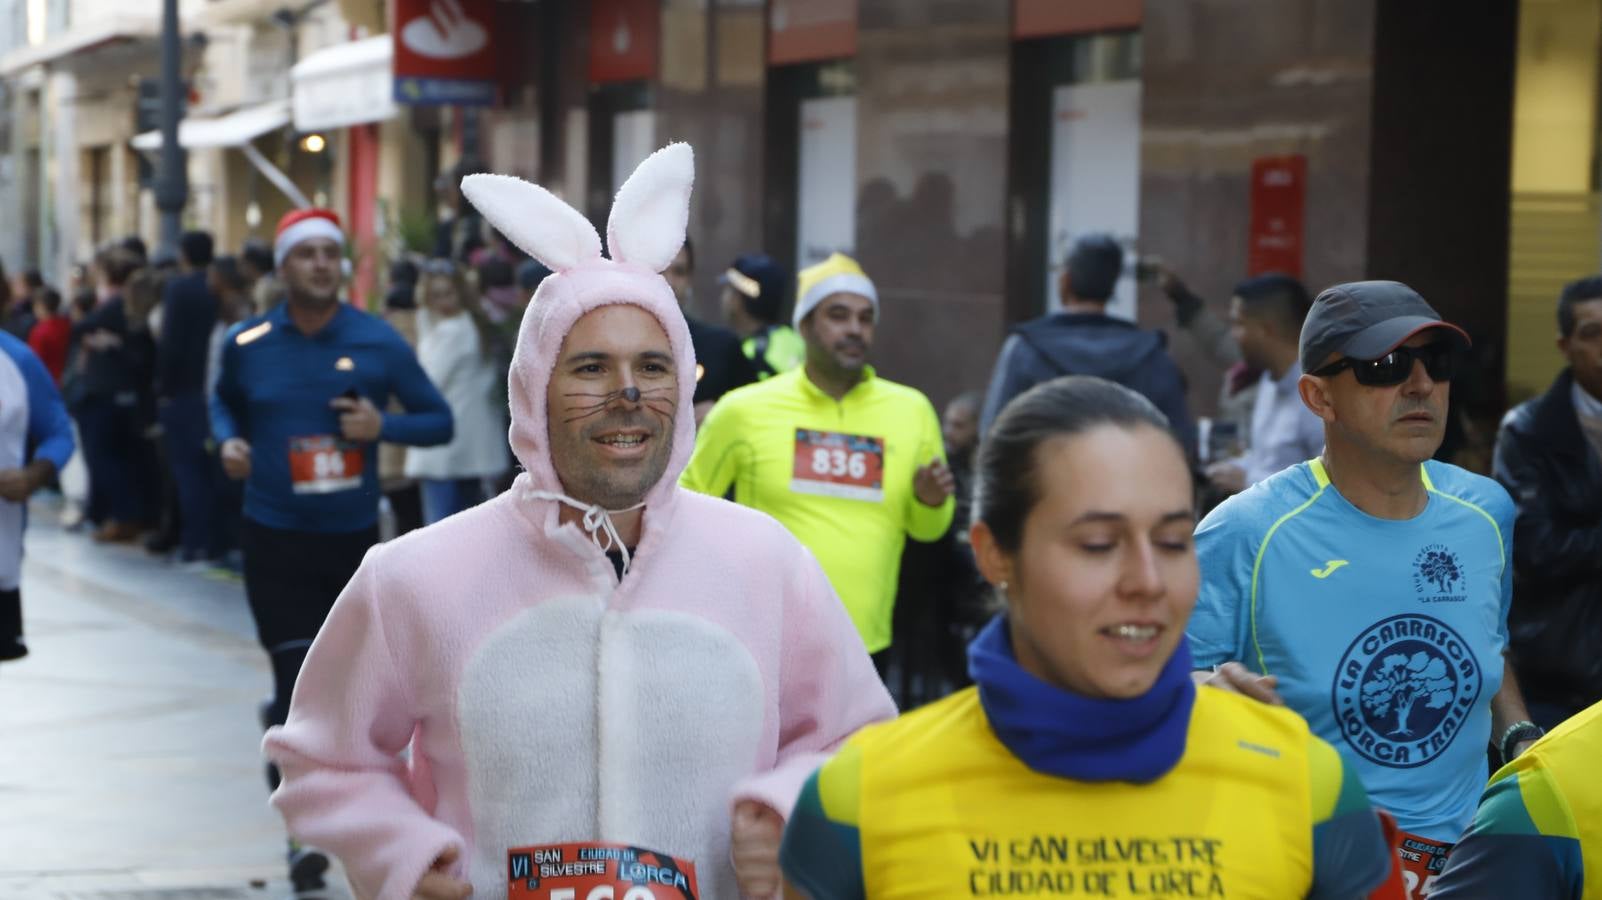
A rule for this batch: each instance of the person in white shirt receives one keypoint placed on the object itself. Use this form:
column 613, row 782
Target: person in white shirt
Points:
column 1265, row 318
column 456, row 346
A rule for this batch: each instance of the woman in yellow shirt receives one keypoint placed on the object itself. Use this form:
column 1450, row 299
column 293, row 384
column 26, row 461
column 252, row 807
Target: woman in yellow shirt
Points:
column 1085, row 762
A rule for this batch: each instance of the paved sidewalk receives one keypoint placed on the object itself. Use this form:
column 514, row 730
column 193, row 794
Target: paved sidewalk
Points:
column 129, row 745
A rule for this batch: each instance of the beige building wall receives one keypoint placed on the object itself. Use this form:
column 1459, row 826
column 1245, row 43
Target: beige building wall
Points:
column 1557, row 218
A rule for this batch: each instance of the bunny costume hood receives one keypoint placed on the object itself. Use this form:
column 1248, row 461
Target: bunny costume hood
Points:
column 542, row 699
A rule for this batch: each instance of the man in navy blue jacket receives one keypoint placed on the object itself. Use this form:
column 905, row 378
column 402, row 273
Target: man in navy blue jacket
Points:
column 1084, row 340
column 188, row 314
column 297, row 416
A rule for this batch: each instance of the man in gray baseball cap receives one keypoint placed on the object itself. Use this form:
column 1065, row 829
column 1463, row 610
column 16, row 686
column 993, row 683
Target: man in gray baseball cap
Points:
column 1368, row 588
column 1366, row 320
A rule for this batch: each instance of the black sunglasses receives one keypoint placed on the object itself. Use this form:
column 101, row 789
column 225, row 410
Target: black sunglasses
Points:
column 1439, row 358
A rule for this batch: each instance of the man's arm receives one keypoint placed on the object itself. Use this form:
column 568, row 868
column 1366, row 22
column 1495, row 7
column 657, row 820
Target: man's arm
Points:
column 827, row 684
column 721, row 452
column 1506, row 854
column 1006, row 382
column 226, row 400
column 1209, row 331
column 1350, row 854
column 427, row 419
column 822, row 849
column 49, row 426
column 1218, row 631
column 1507, row 709
column 1543, row 544
column 351, row 715
column 1168, row 396
column 924, row 522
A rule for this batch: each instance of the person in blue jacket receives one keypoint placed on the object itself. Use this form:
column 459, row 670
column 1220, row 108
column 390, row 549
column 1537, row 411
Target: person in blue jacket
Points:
column 297, row 415
column 1082, row 339
column 35, row 444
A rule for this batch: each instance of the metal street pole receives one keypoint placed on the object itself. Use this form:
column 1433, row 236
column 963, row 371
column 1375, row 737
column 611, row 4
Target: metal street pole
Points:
column 172, row 182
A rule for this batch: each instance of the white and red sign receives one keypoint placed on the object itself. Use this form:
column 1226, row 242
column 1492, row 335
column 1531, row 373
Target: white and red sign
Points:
column 1279, row 200
column 444, row 53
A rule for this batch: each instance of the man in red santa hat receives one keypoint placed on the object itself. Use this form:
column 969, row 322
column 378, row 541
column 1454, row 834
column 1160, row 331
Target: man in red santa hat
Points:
column 298, row 416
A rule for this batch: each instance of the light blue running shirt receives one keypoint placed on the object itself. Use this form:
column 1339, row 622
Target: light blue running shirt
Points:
column 1386, row 635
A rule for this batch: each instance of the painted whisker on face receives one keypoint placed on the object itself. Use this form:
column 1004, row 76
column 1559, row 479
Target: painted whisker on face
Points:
column 663, row 411
column 602, row 401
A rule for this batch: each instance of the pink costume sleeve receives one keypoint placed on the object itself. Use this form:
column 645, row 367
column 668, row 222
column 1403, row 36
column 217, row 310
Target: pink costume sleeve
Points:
column 345, row 788
column 828, row 690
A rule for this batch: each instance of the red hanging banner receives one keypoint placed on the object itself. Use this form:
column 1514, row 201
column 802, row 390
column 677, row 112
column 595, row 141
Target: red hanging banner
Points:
column 624, row 35
column 1279, row 198
column 444, row 52
column 811, row 31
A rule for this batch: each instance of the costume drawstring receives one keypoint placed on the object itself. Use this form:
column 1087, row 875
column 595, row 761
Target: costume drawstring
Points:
column 597, row 522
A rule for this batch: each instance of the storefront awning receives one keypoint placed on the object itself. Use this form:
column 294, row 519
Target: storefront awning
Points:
column 343, row 85
column 111, row 30
column 232, row 130
column 237, row 129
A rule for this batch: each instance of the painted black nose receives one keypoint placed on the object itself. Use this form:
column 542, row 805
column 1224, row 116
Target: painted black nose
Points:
column 631, row 394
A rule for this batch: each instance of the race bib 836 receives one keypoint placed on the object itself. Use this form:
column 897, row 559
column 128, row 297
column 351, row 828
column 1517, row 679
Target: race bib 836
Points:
column 838, row 465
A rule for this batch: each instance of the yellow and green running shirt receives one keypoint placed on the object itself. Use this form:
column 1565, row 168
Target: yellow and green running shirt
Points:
column 1538, row 832
column 837, row 473
column 1386, row 635
column 934, row 805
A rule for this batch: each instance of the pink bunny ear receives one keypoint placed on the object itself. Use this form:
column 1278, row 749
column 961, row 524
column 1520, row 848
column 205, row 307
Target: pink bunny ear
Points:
column 652, row 209
column 534, row 219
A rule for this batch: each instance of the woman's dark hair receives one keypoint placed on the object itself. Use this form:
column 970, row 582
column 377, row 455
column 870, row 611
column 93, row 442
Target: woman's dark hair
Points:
column 1006, row 480
column 49, row 298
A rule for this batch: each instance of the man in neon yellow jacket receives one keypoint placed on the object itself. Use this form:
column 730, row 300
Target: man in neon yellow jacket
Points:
column 851, row 463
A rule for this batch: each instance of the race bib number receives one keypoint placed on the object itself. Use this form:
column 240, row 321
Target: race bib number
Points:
column 597, row 871
column 838, row 465
column 324, row 464
column 1420, row 862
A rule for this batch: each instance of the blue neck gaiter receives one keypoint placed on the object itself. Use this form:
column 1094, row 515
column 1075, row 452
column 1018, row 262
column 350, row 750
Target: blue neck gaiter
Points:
column 1056, row 732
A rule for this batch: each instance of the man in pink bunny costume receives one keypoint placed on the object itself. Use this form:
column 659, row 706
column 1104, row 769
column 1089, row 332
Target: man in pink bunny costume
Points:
column 680, row 690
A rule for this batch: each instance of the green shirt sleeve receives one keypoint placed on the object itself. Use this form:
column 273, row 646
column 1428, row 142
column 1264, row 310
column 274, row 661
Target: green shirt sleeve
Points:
column 1523, row 843
column 929, row 523
column 822, row 849
column 1350, row 855
column 720, row 452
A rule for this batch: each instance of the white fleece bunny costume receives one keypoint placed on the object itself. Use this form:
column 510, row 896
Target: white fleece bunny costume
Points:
column 543, row 700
